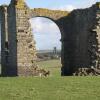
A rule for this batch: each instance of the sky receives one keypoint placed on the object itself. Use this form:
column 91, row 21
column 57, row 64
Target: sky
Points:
column 56, row 3
column 45, row 31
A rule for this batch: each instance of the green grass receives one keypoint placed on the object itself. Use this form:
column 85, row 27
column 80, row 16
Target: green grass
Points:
column 50, row 88
column 54, row 66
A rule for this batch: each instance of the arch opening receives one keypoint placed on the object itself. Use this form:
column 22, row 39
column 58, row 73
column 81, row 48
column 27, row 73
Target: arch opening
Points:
column 48, row 46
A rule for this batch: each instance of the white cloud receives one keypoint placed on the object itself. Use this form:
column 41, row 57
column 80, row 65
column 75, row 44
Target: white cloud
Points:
column 68, row 7
column 86, row 3
column 65, row 8
column 71, row 7
column 46, row 33
column 43, row 25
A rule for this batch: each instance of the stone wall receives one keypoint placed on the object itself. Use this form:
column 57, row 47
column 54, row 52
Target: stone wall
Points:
column 80, row 32
column 4, row 38
column 17, row 35
column 51, row 14
column 26, row 51
column 80, row 42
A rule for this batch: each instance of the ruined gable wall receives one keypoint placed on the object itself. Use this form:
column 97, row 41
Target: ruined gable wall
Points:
column 26, row 51
column 78, row 39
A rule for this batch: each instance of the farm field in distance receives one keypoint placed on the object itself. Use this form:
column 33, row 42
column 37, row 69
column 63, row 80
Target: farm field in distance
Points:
column 53, row 87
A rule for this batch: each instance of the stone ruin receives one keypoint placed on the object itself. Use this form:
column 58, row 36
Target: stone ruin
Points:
column 80, row 38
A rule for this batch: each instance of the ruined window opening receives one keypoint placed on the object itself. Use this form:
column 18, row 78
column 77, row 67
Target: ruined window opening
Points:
column 6, row 45
column 6, row 51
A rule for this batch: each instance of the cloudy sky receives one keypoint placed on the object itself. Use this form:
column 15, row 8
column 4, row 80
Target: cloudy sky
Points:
column 46, row 32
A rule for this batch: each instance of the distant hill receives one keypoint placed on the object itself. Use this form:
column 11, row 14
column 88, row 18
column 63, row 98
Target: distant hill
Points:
column 46, row 51
column 43, row 55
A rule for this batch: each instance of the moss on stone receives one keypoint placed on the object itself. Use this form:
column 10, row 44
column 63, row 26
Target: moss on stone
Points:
column 20, row 4
column 53, row 14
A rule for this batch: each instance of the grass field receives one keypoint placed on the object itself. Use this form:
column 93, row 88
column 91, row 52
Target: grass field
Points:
column 54, row 66
column 50, row 88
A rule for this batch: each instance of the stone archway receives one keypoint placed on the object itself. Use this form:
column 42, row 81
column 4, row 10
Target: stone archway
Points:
column 58, row 17
column 21, row 50
column 79, row 32
column 51, row 14
column 47, row 36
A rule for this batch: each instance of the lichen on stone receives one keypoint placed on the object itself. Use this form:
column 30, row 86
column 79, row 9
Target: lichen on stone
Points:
column 20, row 4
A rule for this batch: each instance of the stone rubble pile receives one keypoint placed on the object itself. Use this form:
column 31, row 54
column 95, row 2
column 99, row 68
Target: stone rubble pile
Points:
column 87, row 72
column 40, row 72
